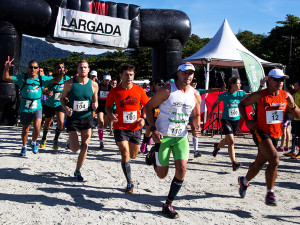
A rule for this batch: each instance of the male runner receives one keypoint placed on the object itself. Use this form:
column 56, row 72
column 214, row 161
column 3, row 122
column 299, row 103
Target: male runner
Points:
column 176, row 101
column 79, row 98
column 53, row 107
column 128, row 121
column 271, row 105
column 31, row 86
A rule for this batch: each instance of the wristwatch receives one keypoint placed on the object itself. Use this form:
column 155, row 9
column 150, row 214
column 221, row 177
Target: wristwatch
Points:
column 153, row 128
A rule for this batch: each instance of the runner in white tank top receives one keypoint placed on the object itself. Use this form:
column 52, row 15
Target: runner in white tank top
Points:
column 176, row 101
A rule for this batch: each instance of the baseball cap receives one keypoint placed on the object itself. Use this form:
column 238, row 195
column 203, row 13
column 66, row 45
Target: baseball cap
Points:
column 106, row 77
column 277, row 73
column 93, row 73
column 186, row 66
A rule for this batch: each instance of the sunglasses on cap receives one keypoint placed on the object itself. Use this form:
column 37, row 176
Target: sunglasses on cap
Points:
column 278, row 79
column 33, row 67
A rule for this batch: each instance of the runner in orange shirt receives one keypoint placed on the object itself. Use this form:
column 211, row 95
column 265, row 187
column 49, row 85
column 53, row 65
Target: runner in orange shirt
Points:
column 128, row 121
column 271, row 105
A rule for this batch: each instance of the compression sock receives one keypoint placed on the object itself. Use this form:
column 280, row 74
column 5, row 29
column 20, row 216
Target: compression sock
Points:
column 294, row 144
column 45, row 132
column 175, row 187
column 100, row 133
column 195, row 143
column 57, row 133
column 146, row 139
column 127, row 171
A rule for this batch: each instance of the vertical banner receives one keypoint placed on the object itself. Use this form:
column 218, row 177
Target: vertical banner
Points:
column 253, row 69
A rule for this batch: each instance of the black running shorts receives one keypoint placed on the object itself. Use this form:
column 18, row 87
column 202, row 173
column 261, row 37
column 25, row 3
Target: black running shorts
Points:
column 229, row 126
column 258, row 136
column 79, row 124
column 50, row 112
column 127, row 135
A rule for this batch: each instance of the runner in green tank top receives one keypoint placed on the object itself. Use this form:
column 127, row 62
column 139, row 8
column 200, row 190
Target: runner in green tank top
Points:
column 79, row 98
column 53, row 107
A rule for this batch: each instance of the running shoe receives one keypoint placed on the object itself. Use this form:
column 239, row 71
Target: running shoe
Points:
column 150, row 157
column 143, row 148
column 294, row 156
column 270, row 199
column 169, row 211
column 34, row 148
column 23, row 151
column 111, row 133
column 129, row 188
column 78, row 176
column 243, row 187
column 280, row 149
column 216, row 149
column 236, row 166
column 55, row 144
column 286, row 148
column 68, row 144
column 43, row 144
column 101, row 145
column 288, row 153
column 197, row 154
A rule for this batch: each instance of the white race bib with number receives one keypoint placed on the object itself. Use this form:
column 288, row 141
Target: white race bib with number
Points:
column 57, row 96
column 31, row 104
column 129, row 116
column 176, row 130
column 80, row 106
column 274, row 116
column 103, row 94
column 233, row 112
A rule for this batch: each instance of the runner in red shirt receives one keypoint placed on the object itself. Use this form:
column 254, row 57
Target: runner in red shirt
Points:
column 271, row 106
column 128, row 121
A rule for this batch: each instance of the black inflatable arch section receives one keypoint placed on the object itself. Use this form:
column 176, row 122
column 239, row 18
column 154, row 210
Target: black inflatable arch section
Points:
column 166, row 31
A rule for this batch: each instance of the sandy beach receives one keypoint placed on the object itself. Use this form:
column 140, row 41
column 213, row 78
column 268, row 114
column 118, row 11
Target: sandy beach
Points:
column 40, row 188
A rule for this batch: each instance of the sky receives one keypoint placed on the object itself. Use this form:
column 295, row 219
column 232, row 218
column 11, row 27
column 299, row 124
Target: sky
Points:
column 257, row 16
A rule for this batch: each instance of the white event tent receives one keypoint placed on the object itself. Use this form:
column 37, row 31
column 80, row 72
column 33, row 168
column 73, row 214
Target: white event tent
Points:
column 223, row 51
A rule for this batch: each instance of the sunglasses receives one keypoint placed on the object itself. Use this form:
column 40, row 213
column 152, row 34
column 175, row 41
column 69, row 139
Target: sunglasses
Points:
column 278, row 79
column 33, row 67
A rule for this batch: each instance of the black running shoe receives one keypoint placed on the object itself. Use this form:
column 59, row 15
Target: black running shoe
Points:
column 243, row 187
column 150, row 157
column 216, row 149
column 236, row 166
column 169, row 211
column 270, row 199
column 78, row 176
column 101, row 145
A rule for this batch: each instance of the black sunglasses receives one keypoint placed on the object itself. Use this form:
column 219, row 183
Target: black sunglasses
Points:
column 33, row 67
column 278, row 79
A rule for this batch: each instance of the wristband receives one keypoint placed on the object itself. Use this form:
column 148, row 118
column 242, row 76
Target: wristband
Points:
column 295, row 106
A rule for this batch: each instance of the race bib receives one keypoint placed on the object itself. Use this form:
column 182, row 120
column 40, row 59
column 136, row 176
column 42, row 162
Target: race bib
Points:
column 31, row 104
column 274, row 117
column 176, row 130
column 129, row 116
column 233, row 112
column 80, row 106
column 103, row 94
column 57, row 96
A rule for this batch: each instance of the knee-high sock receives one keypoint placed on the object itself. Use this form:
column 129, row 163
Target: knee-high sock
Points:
column 175, row 187
column 127, row 171
column 294, row 144
column 100, row 133
column 57, row 133
column 45, row 132
column 195, row 143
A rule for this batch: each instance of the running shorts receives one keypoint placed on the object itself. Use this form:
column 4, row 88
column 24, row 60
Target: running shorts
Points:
column 229, row 126
column 101, row 107
column 128, row 135
column 179, row 147
column 50, row 111
column 79, row 124
column 27, row 117
column 258, row 136
column 296, row 128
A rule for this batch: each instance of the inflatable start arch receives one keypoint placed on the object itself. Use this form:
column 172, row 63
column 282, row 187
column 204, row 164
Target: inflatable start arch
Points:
column 91, row 23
